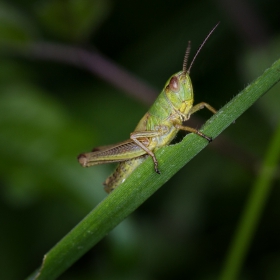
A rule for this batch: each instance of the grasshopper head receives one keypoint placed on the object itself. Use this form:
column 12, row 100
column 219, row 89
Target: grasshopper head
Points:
column 179, row 92
column 178, row 89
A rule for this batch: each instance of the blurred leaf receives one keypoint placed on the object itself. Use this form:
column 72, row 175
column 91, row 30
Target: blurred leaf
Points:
column 73, row 20
column 253, row 210
column 39, row 143
column 15, row 27
column 253, row 62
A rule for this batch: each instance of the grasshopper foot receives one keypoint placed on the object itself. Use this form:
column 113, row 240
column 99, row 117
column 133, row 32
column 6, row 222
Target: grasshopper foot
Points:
column 156, row 168
column 209, row 139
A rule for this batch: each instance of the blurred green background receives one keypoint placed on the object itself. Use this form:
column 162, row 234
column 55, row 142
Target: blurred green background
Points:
column 76, row 74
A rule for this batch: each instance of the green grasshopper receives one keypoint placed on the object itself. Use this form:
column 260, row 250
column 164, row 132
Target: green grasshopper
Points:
column 156, row 129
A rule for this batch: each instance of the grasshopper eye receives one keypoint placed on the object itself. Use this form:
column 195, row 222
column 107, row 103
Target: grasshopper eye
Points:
column 174, row 84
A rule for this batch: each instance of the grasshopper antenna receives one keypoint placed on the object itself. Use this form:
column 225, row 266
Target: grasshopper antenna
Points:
column 203, row 43
column 185, row 62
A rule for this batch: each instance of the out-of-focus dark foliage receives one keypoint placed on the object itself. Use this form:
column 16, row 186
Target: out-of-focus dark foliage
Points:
column 51, row 110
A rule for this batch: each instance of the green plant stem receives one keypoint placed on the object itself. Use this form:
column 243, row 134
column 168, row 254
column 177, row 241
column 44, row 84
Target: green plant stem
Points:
column 144, row 182
column 253, row 211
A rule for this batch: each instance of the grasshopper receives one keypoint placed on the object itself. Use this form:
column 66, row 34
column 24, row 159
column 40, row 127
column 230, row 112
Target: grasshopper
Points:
column 156, row 129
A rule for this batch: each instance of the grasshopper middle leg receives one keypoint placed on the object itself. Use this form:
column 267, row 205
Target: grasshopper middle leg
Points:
column 137, row 135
